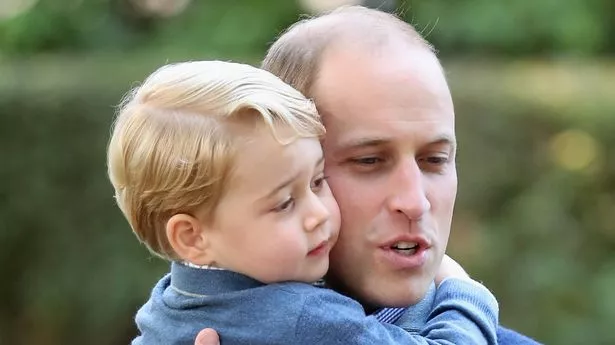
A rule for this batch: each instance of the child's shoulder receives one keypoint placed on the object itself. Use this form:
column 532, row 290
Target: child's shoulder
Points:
column 312, row 295
column 303, row 289
column 294, row 288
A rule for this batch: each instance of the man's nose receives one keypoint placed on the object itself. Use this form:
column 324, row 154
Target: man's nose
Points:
column 408, row 193
column 317, row 212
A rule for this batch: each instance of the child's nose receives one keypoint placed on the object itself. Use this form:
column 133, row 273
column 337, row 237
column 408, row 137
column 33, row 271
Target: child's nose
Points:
column 317, row 214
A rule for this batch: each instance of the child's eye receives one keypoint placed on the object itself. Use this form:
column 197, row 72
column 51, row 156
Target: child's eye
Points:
column 318, row 183
column 285, row 205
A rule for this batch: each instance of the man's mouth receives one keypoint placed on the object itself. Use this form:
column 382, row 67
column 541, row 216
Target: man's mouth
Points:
column 406, row 252
column 405, row 248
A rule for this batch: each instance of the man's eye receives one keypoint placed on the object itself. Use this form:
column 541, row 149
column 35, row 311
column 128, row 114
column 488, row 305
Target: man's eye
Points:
column 435, row 164
column 437, row 160
column 285, row 206
column 367, row 160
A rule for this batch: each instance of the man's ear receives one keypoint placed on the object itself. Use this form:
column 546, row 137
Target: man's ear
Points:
column 189, row 239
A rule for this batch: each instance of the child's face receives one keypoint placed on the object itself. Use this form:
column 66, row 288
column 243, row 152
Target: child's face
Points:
column 278, row 219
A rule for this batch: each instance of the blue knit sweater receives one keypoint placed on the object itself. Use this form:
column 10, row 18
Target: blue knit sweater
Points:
column 245, row 311
column 415, row 317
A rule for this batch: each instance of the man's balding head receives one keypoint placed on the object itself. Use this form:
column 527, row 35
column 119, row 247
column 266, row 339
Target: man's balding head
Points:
column 296, row 55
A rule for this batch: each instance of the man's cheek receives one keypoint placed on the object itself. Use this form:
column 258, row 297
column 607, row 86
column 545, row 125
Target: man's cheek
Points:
column 336, row 183
column 350, row 199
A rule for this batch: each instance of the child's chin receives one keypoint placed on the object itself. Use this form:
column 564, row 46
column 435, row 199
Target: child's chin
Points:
column 316, row 276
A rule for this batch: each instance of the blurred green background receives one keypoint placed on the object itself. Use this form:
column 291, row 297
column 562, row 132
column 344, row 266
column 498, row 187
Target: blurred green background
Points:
column 534, row 86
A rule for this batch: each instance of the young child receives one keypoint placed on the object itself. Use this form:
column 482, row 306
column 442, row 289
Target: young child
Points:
column 218, row 168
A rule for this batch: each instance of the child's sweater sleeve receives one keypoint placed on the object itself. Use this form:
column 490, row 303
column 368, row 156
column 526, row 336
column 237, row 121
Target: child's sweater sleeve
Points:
column 466, row 308
column 464, row 313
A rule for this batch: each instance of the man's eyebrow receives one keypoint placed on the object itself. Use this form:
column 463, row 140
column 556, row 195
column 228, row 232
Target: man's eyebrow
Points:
column 364, row 142
column 443, row 139
column 291, row 179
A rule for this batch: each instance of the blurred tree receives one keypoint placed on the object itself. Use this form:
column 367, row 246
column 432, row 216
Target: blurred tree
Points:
column 549, row 27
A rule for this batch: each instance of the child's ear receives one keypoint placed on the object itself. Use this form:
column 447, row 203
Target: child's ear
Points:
column 189, row 239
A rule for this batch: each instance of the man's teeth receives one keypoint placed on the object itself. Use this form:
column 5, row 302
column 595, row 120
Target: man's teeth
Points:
column 404, row 245
column 406, row 248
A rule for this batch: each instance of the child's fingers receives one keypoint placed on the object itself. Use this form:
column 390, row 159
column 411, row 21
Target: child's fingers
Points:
column 207, row 336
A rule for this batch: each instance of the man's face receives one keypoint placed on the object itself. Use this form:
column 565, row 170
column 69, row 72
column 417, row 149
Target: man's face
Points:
column 390, row 158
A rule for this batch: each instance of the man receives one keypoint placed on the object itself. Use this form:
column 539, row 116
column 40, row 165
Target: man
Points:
column 390, row 155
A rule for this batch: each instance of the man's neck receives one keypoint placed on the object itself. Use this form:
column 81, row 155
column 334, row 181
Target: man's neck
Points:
column 338, row 287
column 420, row 310
column 415, row 316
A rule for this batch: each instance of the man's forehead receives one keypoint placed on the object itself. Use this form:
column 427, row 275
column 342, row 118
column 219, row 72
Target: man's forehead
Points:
column 391, row 57
column 414, row 139
column 372, row 99
column 408, row 77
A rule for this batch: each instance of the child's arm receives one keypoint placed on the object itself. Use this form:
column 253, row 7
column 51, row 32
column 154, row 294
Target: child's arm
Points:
column 330, row 318
column 463, row 308
column 451, row 280
column 464, row 312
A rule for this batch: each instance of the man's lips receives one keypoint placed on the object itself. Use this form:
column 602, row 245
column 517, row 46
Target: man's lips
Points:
column 406, row 251
column 405, row 242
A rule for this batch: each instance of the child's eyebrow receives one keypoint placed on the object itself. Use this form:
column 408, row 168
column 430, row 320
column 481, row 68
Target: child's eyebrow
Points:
column 283, row 185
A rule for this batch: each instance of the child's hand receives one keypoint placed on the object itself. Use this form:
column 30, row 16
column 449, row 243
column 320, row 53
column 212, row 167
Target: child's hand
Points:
column 449, row 268
column 207, row 336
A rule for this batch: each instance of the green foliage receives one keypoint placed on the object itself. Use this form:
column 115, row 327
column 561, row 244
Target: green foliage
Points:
column 75, row 274
column 532, row 221
column 548, row 27
column 232, row 27
column 576, row 27
column 54, row 25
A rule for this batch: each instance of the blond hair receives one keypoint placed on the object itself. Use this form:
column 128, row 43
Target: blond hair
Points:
column 295, row 56
column 170, row 150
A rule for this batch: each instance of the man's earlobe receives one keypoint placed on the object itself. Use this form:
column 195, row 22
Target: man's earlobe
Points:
column 189, row 239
